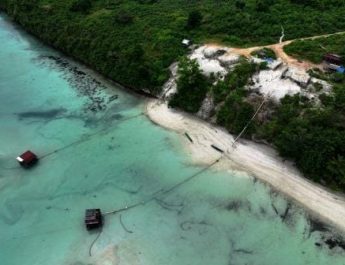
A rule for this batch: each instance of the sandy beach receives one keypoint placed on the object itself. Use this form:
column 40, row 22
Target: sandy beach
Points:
column 257, row 160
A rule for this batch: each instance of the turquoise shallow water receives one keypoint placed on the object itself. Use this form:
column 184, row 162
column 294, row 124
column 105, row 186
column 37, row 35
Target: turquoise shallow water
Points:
column 98, row 151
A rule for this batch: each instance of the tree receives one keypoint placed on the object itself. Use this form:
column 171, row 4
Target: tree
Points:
column 240, row 4
column 192, row 86
column 194, row 19
column 235, row 113
column 81, row 5
column 263, row 5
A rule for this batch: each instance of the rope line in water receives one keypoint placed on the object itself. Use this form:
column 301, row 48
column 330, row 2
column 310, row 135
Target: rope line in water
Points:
column 124, row 227
column 94, row 241
column 153, row 197
column 87, row 137
column 163, row 191
column 84, row 139
column 143, row 202
column 191, row 177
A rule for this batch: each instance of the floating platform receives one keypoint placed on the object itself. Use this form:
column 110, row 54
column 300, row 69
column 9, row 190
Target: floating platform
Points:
column 93, row 219
column 27, row 159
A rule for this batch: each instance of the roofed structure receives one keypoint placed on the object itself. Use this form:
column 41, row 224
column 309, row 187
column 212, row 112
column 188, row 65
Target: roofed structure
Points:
column 186, row 42
column 93, row 219
column 333, row 58
column 27, row 159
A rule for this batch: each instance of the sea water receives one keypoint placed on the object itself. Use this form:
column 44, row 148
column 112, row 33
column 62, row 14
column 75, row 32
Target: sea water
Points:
column 98, row 150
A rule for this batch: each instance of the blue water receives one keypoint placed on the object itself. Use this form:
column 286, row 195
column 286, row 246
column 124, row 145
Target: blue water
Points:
column 98, row 150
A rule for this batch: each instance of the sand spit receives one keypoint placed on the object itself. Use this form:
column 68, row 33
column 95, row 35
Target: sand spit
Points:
column 258, row 160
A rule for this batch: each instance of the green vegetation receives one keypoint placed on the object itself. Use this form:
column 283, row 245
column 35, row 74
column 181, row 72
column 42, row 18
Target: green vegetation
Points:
column 314, row 50
column 313, row 137
column 81, row 5
column 134, row 41
column 264, row 53
column 192, row 86
column 194, row 19
column 236, row 112
column 236, row 79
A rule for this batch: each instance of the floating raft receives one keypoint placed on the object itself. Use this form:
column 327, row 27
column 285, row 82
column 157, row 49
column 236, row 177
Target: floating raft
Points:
column 93, row 219
column 27, row 159
column 217, row 148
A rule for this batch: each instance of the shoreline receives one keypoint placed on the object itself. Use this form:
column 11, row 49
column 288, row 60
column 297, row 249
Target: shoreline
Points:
column 140, row 92
column 324, row 204
column 255, row 159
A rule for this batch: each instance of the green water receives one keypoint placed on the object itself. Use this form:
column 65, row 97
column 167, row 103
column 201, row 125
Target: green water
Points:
column 109, row 156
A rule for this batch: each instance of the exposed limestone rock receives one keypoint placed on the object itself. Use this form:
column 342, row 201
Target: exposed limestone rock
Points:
column 275, row 64
column 207, row 107
column 208, row 66
column 214, row 52
column 271, row 84
column 228, row 60
column 170, row 86
column 300, row 77
column 326, row 87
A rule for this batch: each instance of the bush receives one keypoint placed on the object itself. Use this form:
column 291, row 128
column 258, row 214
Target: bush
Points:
column 314, row 49
column 314, row 138
column 192, row 86
column 236, row 113
column 81, row 5
column 194, row 19
column 236, row 79
column 123, row 18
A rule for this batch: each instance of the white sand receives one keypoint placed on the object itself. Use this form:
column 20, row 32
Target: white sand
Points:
column 258, row 160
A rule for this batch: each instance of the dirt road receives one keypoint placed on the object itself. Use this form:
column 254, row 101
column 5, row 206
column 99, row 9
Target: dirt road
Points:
column 278, row 48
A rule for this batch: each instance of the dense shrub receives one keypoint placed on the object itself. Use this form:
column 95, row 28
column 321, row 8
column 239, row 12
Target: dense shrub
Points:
column 235, row 113
column 313, row 137
column 81, row 5
column 194, row 19
column 236, row 79
column 102, row 33
column 192, row 86
column 314, row 50
column 134, row 42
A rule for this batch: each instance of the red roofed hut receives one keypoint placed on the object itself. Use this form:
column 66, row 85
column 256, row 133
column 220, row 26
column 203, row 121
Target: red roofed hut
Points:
column 93, row 219
column 27, row 159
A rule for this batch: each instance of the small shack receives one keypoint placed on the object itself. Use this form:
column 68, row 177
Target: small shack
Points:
column 186, row 42
column 93, row 219
column 333, row 58
column 27, row 159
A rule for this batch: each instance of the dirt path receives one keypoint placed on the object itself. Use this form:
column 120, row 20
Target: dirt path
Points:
column 278, row 48
column 279, row 51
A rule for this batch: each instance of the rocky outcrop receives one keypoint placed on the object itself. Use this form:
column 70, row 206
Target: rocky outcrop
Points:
column 170, row 86
column 207, row 107
column 298, row 76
